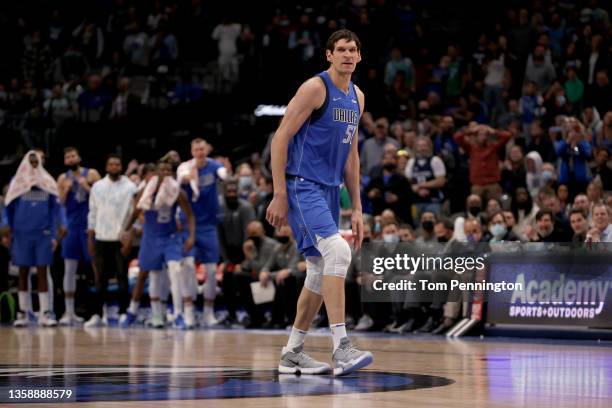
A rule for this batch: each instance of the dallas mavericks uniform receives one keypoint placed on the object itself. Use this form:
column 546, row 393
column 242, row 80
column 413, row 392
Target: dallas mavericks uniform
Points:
column 316, row 158
column 32, row 218
column 422, row 171
column 74, row 245
column 205, row 211
column 160, row 241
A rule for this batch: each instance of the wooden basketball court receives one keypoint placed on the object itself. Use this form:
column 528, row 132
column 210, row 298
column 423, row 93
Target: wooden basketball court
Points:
column 111, row 367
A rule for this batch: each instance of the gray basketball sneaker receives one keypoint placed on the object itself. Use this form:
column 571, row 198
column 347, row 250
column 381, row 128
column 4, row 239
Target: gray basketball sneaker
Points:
column 347, row 358
column 296, row 361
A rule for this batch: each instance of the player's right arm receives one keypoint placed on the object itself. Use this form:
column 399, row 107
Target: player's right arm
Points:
column 64, row 185
column 309, row 97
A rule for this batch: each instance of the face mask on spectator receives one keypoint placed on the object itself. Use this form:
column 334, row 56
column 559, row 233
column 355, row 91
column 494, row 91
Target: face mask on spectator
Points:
column 390, row 238
column 498, row 230
column 231, row 202
column 367, row 240
column 427, row 225
column 474, row 210
column 245, row 182
column 547, row 175
column 442, row 240
column 283, row 240
column 471, row 238
column 561, row 100
column 377, row 228
column 256, row 240
column 389, row 166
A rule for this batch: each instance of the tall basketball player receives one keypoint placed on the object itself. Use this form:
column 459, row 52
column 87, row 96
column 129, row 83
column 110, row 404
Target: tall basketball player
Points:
column 313, row 152
column 74, row 187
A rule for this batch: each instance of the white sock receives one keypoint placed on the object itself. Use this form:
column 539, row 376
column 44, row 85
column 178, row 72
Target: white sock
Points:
column 69, row 305
column 43, row 299
column 156, row 308
column 338, row 332
column 133, row 308
column 24, row 301
column 189, row 310
column 296, row 339
column 208, row 313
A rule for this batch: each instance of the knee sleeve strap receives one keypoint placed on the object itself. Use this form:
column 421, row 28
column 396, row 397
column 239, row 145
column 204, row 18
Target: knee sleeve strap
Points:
column 336, row 255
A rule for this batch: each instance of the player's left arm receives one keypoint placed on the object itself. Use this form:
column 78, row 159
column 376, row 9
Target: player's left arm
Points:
column 351, row 179
column 184, row 204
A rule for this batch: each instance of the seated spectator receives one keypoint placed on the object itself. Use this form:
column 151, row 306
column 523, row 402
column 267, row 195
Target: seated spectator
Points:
column 546, row 229
column 426, row 233
column 580, row 225
column 601, row 222
column 444, row 231
column 574, row 151
column 514, row 174
column 581, row 202
column 286, row 269
column 473, row 209
column 600, row 170
column 372, row 148
column 498, row 230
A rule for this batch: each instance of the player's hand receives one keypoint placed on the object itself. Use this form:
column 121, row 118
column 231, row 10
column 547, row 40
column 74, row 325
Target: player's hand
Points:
column 91, row 248
column 126, row 247
column 276, row 213
column 264, row 278
column 66, row 184
column 357, row 227
column 281, row 276
column 188, row 245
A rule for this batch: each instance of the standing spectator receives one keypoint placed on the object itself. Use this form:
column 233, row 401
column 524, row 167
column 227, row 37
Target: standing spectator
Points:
column 398, row 63
column 136, row 49
column 601, row 171
column 427, row 174
column 163, row 46
column 540, row 142
column 237, row 214
column 530, row 104
column 513, row 173
column 372, row 149
column 226, row 34
column 484, row 161
column 390, row 190
column 539, row 69
column 574, row 89
column 89, row 38
column 599, row 93
column 110, row 204
column 94, row 101
column 495, row 67
column 574, row 151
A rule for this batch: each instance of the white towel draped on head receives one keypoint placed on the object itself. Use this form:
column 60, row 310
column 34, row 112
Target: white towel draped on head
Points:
column 166, row 195
column 28, row 177
column 184, row 170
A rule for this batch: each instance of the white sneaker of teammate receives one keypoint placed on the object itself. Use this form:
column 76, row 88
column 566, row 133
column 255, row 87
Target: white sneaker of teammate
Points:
column 190, row 320
column 94, row 321
column 69, row 319
column 47, row 319
column 22, row 320
column 208, row 320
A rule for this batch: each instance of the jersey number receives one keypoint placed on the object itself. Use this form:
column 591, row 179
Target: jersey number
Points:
column 350, row 132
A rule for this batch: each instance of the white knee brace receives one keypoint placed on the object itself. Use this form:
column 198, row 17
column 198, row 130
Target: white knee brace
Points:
column 336, row 255
column 210, row 286
column 70, row 269
column 314, row 274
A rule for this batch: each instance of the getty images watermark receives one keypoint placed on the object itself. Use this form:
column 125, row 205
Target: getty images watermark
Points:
column 458, row 272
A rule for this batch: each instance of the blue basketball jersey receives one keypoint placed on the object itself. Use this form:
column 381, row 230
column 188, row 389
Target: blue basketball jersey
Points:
column 161, row 222
column 206, row 207
column 319, row 150
column 77, row 202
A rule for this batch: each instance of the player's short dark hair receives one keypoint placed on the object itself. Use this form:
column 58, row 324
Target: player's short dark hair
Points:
column 545, row 211
column 343, row 34
column 69, row 149
column 113, row 156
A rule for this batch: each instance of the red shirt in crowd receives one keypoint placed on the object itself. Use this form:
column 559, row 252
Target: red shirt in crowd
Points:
column 484, row 161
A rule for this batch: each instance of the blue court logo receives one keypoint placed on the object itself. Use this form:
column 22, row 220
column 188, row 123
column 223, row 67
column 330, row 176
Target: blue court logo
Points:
column 154, row 383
